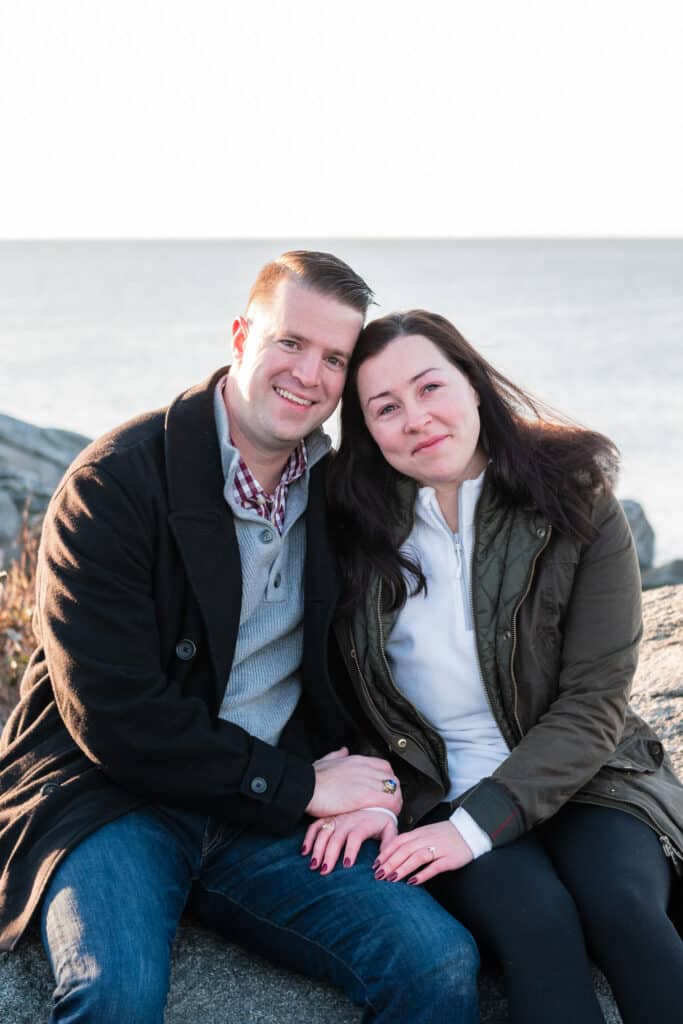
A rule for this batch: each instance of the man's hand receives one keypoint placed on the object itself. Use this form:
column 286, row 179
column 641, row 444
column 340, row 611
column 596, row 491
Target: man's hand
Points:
column 431, row 848
column 348, row 782
column 325, row 838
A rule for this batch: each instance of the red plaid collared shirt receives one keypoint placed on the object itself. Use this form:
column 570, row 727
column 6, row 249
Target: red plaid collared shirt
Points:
column 250, row 494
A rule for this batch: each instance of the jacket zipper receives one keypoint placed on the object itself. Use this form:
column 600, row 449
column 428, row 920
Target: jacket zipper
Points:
column 670, row 850
column 443, row 761
column 521, row 601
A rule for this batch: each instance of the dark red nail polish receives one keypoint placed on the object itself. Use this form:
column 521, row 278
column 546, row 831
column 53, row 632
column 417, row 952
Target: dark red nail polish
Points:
column 347, row 862
column 393, row 876
column 323, row 869
column 375, row 865
column 379, row 875
column 412, row 881
column 314, row 863
column 304, row 851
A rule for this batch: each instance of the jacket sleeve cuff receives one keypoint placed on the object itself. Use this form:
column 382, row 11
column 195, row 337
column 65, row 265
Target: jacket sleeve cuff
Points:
column 495, row 811
column 279, row 784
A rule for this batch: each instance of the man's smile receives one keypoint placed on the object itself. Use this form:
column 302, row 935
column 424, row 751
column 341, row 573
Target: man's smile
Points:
column 292, row 397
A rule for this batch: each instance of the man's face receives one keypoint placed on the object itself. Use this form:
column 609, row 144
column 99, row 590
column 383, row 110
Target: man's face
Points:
column 289, row 366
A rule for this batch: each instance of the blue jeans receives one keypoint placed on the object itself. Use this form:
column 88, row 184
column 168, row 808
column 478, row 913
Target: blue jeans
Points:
column 112, row 907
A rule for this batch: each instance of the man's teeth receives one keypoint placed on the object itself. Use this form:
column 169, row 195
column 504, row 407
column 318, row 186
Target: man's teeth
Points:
column 293, row 398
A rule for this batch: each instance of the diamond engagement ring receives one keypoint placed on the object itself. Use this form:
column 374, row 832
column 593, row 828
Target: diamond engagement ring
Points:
column 389, row 785
column 327, row 827
column 432, row 850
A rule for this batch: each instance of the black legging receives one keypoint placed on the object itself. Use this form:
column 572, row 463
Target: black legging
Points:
column 594, row 882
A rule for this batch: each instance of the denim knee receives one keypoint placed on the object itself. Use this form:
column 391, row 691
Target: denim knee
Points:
column 99, row 994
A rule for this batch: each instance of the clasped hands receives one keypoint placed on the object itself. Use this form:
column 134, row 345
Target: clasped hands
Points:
column 347, row 804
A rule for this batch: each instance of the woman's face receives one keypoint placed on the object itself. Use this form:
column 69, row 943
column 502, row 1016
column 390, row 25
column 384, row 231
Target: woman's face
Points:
column 422, row 412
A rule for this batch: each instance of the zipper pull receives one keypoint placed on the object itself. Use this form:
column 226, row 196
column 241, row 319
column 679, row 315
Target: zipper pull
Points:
column 457, row 548
column 669, row 849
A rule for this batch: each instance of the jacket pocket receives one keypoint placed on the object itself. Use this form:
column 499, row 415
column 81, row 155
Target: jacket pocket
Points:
column 639, row 752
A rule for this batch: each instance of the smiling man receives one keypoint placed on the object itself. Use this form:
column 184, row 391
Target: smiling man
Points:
column 178, row 728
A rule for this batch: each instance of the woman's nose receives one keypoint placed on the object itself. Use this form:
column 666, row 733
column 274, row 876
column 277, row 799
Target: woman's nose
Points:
column 416, row 420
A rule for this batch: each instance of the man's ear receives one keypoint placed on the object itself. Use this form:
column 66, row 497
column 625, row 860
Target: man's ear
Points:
column 240, row 330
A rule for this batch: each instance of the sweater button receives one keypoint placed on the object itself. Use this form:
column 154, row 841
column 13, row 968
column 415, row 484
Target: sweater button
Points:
column 258, row 785
column 266, row 536
column 277, row 581
column 186, row 650
column 401, row 743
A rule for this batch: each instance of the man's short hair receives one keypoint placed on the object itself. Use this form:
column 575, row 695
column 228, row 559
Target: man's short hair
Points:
column 320, row 271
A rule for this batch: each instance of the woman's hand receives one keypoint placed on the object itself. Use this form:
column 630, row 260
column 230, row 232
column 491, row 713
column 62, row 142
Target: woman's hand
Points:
column 431, row 848
column 325, row 837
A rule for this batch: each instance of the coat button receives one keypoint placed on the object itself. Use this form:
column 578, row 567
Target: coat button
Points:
column 258, row 785
column 401, row 743
column 507, row 635
column 186, row 650
column 656, row 750
column 540, row 531
column 49, row 787
column 266, row 536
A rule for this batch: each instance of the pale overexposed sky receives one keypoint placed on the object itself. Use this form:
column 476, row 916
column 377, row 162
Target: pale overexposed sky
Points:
column 209, row 118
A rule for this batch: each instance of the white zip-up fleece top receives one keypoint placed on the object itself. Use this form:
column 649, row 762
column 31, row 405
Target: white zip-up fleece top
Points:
column 432, row 650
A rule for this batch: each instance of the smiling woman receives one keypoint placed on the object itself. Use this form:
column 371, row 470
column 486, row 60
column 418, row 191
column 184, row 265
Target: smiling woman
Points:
column 490, row 625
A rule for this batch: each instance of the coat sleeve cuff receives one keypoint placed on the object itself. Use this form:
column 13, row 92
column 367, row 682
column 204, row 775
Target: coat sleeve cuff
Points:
column 280, row 784
column 495, row 811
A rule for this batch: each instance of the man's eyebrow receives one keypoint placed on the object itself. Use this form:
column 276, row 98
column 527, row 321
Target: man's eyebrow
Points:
column 307, row 341
column 383, row 394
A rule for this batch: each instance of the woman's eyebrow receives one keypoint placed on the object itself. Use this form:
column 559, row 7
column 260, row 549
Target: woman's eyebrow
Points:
column 383, row 394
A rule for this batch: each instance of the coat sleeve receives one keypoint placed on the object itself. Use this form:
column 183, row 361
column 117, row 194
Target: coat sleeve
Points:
column 97, row 619
column 583, row 725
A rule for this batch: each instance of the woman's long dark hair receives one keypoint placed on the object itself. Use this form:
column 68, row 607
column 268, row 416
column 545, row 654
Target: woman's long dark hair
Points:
column 538, row 459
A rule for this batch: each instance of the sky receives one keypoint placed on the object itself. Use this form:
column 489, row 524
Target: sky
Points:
column 371, row 118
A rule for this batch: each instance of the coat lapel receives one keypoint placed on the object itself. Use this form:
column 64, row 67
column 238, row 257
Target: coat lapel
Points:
column 201, row 521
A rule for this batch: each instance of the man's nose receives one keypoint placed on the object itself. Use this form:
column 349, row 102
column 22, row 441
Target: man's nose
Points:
column 307, row 369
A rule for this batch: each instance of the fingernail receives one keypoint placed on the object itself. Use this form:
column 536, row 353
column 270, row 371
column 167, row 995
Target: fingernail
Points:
column 314, row 863
column 379, row 875
column 304, row 850
column 393, row 876
column 412, row 881
column 375, row 865
column 323, row 869
column 347, row 862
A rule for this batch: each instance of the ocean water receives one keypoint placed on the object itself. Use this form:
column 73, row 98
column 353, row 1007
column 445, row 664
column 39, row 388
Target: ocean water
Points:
column 92, row 333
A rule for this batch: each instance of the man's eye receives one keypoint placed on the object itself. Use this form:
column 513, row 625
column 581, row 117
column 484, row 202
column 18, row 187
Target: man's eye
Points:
column 289, row 343
column 336, row 361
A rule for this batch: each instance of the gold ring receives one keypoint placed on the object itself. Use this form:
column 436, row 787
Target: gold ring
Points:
column 432, row 850
column 389, row 785
column 327, row 827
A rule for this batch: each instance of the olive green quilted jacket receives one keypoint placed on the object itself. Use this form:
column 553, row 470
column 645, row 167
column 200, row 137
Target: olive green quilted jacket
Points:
column 558, row 625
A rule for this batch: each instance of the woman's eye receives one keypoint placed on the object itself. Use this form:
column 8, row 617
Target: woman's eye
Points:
column 386, row 409
column 431, row 387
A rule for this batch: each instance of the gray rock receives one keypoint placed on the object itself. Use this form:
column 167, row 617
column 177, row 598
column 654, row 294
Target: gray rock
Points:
column 643, row 534
column 666, row 575
column 32, row 462
column 218, row 983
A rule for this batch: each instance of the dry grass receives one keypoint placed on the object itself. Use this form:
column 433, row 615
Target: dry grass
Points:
column 17, row 589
